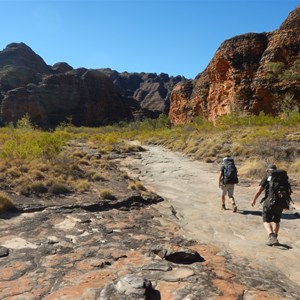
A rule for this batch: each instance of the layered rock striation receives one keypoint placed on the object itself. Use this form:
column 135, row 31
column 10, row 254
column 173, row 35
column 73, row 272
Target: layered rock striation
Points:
column 51, row 94
column 249, row 73
column 89, row 97
column 148, row 93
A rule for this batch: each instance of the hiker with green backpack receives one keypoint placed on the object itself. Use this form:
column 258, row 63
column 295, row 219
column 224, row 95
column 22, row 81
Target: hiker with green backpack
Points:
column 227, row 179
column 277, row 198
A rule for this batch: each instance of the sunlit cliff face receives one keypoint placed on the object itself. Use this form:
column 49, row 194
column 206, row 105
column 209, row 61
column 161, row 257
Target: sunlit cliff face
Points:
column 241, row 76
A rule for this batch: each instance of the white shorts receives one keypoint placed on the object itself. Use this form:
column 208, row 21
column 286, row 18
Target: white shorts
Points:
column 228, row 189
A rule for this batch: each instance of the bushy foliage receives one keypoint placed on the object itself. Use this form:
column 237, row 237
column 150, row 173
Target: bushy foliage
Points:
column 274, row 69
column 236, row 120
column 36, row 155
column 288, row 106
column 293, row 73
column 25, row 123
column 32, row 144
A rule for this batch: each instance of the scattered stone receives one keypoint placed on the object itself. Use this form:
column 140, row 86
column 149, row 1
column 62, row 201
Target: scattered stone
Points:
column 18, row 243
column 140, row 253
column 4, row 251
column 157, row 267
column 130, row 287
column 178, row 274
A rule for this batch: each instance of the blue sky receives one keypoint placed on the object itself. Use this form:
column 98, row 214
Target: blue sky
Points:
column 177, row 37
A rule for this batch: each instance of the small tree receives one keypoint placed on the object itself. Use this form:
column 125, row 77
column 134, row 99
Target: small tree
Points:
column 287, row 105
column 293, row 73
column 25, row 123
column 274, row 69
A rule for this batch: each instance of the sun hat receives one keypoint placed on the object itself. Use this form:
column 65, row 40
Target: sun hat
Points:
column 226, row 157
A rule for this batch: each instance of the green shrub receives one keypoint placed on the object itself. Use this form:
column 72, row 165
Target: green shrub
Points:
column 32, row 144
column 293, row 73
column 25, row 123
column 274, row 69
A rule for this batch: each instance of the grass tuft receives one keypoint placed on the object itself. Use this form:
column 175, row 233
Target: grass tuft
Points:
column 106, row 194
column 5, row 202
column 59, row 189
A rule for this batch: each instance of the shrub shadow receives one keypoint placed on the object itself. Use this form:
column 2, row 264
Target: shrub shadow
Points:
column 10, row 214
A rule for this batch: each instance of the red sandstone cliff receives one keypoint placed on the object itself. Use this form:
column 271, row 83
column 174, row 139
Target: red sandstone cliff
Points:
column 249, row 73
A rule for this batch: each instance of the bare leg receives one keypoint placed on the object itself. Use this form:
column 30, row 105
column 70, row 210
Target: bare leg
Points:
column 275, row 227
column 272, row 230
column 234, row 207
column 268, row 227
column 223, row 200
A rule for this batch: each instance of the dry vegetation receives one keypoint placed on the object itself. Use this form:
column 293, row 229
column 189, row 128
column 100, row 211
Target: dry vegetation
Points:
column 70, row 159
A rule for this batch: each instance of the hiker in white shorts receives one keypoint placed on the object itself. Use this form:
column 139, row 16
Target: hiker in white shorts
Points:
column 227, row 180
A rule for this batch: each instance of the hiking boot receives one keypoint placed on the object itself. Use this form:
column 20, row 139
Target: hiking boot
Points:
column 234, row 207
column 272, row 240
column 223, row 207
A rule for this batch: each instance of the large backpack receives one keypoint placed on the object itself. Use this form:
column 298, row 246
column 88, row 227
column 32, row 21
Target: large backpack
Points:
column 279, row 190
column 230, row 172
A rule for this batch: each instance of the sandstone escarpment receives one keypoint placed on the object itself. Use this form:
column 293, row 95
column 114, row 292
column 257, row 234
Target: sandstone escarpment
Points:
column 249, row 73
column 50, row 95
column 147, row 93
column 19, row 65
column 89, row 97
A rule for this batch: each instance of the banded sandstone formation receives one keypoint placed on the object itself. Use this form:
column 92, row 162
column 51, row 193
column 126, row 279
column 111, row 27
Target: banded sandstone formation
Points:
column 249, row 73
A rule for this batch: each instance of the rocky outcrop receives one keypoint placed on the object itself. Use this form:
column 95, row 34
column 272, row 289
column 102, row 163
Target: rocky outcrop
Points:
column 82, row 246
column 148, row 93
column 89, row 97
column 20, row 55
column 50, row 95
column 19, row 65
column 249, row 73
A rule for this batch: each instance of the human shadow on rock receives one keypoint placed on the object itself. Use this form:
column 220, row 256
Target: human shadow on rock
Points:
column 285, row 216
column 282, row 246
column 250, row 212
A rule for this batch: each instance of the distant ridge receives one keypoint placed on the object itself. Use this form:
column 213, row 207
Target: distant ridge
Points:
column 89, row 97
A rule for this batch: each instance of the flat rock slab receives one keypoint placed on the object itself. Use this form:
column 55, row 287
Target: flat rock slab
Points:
column 137, row 246
column 191, row 190
column 178, row 274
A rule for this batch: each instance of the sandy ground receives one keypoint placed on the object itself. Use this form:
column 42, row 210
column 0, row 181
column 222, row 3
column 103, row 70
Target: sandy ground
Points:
column 191, row 188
